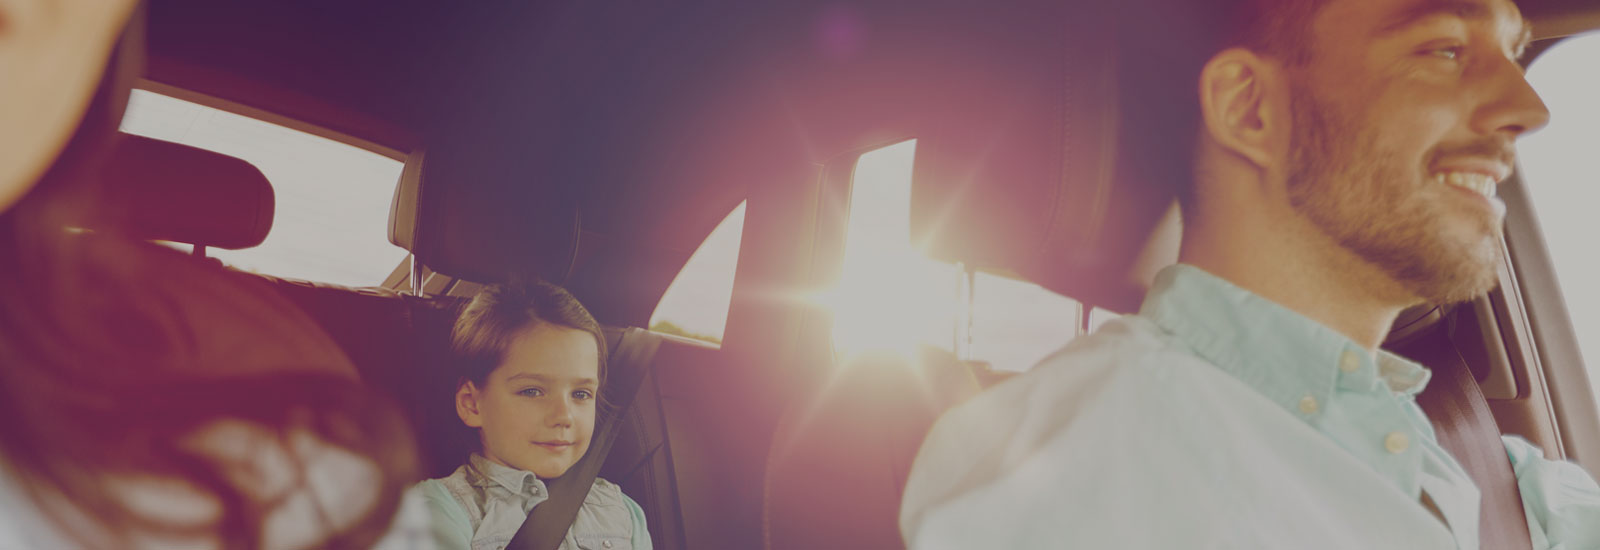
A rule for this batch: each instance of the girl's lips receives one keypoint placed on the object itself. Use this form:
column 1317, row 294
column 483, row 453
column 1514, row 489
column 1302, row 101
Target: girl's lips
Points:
column 554, row 445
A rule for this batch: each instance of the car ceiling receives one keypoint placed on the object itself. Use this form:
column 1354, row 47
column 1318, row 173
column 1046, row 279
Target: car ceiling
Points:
column 658, row 117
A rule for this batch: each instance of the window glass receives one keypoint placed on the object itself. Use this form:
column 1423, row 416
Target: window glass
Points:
column 1017, row 323
column 890, row 297
column 1099, row 317
column 695, row 305
column 1562, row 188
column 332, row 213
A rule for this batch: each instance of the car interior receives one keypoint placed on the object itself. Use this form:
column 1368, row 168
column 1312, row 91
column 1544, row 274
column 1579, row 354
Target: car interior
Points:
column 596, row 145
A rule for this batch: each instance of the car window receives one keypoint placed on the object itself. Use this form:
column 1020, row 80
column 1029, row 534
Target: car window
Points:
column 1562, row 189
column 890, row 296
column 695, row 305
column 332, row 213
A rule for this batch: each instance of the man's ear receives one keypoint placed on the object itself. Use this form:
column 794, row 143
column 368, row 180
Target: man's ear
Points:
column 467, row 397
column 1244, row 103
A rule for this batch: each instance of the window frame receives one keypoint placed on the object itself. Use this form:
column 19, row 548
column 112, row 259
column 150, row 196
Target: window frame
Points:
column 264, row 115
column 1544, row 345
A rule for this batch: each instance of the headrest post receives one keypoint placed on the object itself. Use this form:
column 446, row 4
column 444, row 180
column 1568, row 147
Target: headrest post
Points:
column 416, row 276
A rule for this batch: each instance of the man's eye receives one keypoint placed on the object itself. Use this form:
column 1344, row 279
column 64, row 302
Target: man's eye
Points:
column 1451, row 53
column 583, row 394
column 531, row 392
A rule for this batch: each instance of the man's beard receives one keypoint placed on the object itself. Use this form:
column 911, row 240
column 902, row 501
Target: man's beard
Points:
column 1372, row 203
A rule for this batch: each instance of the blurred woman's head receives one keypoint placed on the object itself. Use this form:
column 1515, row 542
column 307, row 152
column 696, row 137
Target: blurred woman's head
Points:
column 52, row 53
column 148, row 400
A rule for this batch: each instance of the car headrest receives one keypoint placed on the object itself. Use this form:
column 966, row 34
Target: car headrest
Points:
column 1065, row 169
column 153, row 189
column 461, row 218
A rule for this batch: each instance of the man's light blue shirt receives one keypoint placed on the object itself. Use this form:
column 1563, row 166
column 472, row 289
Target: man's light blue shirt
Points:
column 1216, row 419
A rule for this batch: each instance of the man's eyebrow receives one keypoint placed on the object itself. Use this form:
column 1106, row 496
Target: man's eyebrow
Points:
column 1464, row 9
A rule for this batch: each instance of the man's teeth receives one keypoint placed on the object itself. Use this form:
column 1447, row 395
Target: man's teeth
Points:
column 1483, row 184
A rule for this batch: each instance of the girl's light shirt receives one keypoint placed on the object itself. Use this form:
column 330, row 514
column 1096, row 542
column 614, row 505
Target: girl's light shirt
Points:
column 482, row 504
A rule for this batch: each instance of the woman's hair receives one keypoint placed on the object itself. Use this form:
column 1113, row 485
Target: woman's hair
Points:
column 115, row 355
column 488, row 326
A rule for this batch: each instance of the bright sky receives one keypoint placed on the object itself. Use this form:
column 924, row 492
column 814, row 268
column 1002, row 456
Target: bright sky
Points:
column 1565, row 190
column 698, row 298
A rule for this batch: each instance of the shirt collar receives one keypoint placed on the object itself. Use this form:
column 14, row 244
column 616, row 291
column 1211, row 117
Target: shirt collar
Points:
column 488, row 473
column 1292, row 360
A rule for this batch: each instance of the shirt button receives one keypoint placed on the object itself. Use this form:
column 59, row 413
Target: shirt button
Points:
column 1349, row 362
column 1308, row 405
column 606, row 544
column 1396, row 442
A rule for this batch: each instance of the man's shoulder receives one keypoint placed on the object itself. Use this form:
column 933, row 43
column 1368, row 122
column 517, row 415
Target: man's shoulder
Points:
column 1125, row 385
column 1126, row 355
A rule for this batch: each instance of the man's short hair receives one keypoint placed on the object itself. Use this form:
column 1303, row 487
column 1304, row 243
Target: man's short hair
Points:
column 1279, row 28
column 1166, row 43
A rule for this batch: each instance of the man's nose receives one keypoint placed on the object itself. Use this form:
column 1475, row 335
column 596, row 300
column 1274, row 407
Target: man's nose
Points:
column 1511, row 106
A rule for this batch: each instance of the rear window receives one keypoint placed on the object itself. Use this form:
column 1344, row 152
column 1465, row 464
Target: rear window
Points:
column 332, row 212
column 892, row 297
column 696, row 304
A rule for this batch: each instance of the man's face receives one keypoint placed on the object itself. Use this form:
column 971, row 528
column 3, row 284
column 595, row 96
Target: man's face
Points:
column 1403, row 125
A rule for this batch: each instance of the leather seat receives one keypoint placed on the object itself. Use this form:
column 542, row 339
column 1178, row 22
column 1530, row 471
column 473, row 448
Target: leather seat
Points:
column 840, row 459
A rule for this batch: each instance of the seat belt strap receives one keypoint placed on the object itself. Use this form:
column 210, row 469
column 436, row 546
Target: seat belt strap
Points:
column 1466, row 428
column 549, row 521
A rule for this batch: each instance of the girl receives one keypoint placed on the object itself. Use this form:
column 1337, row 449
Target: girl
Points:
column 533, row 364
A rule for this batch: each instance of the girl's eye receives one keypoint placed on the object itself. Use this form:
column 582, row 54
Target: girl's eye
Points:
column 531, row 392
column 583, row 394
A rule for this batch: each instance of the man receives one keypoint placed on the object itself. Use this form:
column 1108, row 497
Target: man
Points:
column 1346, row 157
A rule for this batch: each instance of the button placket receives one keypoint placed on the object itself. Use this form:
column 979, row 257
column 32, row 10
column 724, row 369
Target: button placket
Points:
column 1308, row 404
column 1396, row 442
column 1349, row 362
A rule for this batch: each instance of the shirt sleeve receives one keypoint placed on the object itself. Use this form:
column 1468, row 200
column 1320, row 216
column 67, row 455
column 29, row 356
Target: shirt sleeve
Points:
column 1562, row 501
column 450, row 527
column 641, row 533
column 411, row 528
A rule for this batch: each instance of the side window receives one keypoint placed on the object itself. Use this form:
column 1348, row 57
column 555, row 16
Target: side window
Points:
column 1560, row 185
column 892, row 297
column 332, row 215
column 695, row 305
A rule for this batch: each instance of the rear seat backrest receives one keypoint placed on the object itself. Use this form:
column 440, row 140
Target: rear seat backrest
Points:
column 840, row 459
column 400, row 344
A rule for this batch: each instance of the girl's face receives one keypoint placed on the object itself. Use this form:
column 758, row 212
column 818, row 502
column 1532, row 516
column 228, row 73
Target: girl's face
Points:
column 535, row 411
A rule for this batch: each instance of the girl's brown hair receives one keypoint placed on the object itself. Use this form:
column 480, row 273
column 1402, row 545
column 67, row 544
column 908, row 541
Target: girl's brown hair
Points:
column 485, row 330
